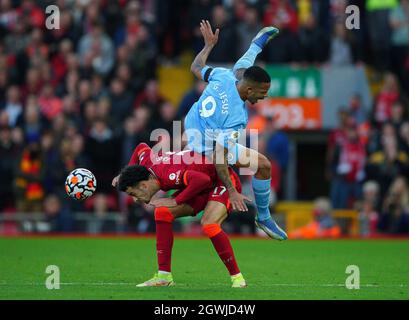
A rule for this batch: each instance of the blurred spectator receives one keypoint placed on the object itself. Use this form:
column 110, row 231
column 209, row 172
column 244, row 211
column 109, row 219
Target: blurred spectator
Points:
column 49, row 104
column 99, row 90
column 33, row 83
column 190, row 98
column 32, row 121
column 18, row 38
column 60, row 60
column 389, row 94
column 70, row 110
column 223, row 52
column 13, row 106
column 277, row 144
column 84, row 93
column 37, row 48
column 398, row 114
column 30, row 11
column 369, row 208
column 96, row 50
column 101, row 206
column 70, row 84
column 395, row 210
column 404, row 136
column 357, row 110
column 89, row 116
column 151, row 98
column 121, row 100
column 380, row 137
column 399, row 22
column 8, row 153
column 337, row 137
column 170, row 29
column 379, row 30
column 314, row 43
column 199, row 10
column 8, row 14
column 57, row 217
column 29, row 175
column 385, row 165
column 167, row 115
column 133, row 133
column 340, row 48
column 68, row 29
column 50, row 152
column 102, row 149
column 371, row 194
column 142, row 53
column 368, row 219
column 103, row 111
column 4, row 79
column 282, row 14
column 323, row 224
column 348, row 170
column 58, row 127
column 132, row 25
column 247, row 29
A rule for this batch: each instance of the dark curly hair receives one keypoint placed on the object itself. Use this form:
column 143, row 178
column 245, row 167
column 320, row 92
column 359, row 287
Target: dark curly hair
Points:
column 130, row 176
column 256, row 74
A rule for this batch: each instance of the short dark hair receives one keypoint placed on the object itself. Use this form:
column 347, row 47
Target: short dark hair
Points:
column 130, row 176
column 256, row 74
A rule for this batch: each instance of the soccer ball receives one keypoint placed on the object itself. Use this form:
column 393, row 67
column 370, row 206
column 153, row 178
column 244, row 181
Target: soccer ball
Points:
column 80, row 184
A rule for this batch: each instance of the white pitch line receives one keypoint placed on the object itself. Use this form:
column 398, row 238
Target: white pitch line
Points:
column 406, row 285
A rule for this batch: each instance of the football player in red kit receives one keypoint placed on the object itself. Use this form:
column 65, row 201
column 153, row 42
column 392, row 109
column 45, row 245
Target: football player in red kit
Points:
column 198, row 188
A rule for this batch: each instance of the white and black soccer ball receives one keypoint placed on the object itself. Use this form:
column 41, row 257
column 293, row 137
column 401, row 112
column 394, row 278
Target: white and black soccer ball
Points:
column 80, row 184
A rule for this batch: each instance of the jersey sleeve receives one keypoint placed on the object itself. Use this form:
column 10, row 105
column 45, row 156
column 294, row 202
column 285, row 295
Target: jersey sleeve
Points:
column 214, row 73
column 139, row 153
column 194, row 183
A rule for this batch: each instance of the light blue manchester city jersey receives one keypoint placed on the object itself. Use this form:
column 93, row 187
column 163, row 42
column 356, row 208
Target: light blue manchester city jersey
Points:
column 218, row 108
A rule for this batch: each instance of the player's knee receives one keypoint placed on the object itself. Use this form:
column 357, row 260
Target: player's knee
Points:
column 264, row 165
column 163, row 214
column 211, row 229
column 205, row 220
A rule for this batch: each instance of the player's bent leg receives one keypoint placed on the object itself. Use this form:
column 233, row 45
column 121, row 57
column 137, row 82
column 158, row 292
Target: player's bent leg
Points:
column 261, row 185
column 164, row 218
column 215, row 213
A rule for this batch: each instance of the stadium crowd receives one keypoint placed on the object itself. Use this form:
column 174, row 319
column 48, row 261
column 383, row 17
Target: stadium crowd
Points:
column 85, row 94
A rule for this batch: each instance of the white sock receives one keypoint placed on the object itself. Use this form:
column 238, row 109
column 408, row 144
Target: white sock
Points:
column 163, row 272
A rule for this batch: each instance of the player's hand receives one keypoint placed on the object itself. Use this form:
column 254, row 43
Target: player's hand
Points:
column 163, row 202
column 115, row 181
column 209, row 37
column 237, row 200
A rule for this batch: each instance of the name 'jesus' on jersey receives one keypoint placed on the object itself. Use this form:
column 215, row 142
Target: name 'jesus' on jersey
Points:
column 219, row 107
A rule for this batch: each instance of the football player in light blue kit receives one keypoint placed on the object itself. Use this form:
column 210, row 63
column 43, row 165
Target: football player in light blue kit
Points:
column 213, row 123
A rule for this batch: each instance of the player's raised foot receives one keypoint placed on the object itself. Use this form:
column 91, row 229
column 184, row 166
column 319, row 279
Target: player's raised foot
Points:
column 238, row 281
column 264, row 36
column 158, row 280
column 271, row 228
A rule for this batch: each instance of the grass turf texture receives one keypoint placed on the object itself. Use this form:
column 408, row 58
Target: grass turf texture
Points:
column 109, row 268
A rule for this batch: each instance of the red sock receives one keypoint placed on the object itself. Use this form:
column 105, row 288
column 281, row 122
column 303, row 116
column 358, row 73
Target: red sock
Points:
column 164, row 237
column 223, row 247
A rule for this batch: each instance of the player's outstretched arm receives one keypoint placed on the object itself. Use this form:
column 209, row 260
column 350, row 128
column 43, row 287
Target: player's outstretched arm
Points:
column 210, row 40
column 194, row 181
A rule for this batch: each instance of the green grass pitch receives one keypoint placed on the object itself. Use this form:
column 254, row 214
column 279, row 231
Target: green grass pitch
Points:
column 109, row 268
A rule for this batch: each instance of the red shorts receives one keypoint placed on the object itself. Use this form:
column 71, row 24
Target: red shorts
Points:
column 219, row 193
